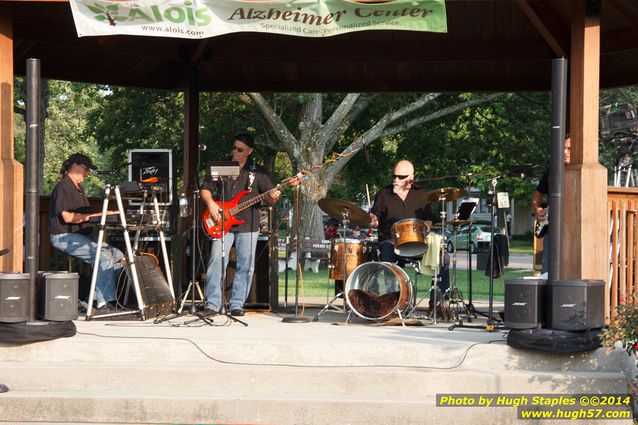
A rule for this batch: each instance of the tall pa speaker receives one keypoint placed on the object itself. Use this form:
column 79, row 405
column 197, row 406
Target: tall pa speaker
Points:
column 57, row 295
column 264, row 290
column 525, row 301
column 14, row 297
column 148, row 163
column 577, row 305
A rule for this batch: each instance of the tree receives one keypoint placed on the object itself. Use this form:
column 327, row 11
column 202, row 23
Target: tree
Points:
column 316, row 138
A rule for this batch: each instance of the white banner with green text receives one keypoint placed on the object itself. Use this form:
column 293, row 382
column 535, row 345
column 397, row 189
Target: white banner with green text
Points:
column 210, row 18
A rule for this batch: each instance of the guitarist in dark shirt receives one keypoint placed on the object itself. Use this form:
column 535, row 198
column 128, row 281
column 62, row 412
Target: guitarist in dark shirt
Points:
column 541, row 208
column 253, row 178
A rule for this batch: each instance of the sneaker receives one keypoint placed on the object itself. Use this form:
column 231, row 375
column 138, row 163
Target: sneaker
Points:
column 106, row 309
column 237, row 312
column 207, row 312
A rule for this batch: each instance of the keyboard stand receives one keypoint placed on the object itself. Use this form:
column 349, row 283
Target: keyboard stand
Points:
column 129, row 256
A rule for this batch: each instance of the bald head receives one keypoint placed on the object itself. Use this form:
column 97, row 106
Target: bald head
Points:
column 404, row 168
column 402, row 176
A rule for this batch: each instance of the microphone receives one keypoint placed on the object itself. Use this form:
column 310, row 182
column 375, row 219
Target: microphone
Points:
column 4, row 251
column 202, row 147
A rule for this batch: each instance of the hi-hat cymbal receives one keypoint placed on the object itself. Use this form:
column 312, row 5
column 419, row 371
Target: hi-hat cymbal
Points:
column 335, row 207
column 445, row 194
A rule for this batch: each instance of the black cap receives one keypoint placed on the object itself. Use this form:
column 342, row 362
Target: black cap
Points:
column 79, row 158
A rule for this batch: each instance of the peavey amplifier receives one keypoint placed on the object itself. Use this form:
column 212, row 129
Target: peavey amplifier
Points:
column 148, row 163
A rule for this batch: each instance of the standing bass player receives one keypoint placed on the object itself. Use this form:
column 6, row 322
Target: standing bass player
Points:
column 254, row 179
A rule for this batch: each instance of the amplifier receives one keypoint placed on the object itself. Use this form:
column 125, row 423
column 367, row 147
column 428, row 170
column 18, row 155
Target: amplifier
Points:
column 149, row 163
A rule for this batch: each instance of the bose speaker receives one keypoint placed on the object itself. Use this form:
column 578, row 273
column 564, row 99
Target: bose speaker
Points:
column 148, row 163
column 525, row 301
column 14, row 297
column 58, row 296
column 577, row 305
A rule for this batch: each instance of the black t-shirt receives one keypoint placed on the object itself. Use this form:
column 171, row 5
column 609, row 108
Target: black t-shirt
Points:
column 67, row 197
column 389, row 208
column 543, row 184
column 252, row 177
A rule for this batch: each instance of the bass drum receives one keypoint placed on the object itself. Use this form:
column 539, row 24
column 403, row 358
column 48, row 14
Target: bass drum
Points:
column 375, row 291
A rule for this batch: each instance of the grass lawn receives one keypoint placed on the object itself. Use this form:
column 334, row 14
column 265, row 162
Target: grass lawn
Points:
column 521, row 246
column 318, row 285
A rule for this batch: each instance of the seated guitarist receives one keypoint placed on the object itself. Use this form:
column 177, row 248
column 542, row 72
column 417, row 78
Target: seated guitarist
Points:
column 540, row 208
column 253, row 178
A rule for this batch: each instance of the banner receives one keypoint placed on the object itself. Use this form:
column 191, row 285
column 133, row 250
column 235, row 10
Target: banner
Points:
column 210, row 18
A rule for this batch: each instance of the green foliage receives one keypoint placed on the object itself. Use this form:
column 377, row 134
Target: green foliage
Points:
column 624, row 329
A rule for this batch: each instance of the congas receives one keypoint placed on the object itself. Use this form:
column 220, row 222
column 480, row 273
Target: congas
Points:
column 357, row 252
column 409, row 237
column 375, row 291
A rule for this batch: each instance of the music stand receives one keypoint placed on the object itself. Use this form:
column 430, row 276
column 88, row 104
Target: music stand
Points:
column 222, row 171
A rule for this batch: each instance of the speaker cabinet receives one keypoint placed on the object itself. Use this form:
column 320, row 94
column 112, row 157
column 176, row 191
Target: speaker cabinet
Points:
column 264, row 291
column 14, row 297
column 57, row 295
column 148, row 163
column 577, row 305
column 525, row 301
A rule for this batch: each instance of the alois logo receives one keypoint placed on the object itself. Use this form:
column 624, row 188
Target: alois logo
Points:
column 176, row 13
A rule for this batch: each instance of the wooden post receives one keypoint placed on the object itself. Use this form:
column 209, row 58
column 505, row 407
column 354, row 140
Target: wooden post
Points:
column 586, row 230
column 11, row 173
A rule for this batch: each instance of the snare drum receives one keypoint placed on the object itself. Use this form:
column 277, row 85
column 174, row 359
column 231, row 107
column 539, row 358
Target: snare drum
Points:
column 409, row 237
column 357, row 252
column 375, row 291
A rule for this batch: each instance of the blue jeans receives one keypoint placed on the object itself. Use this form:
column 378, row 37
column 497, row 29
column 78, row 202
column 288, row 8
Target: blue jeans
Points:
column 84, row 248
column 245, row 247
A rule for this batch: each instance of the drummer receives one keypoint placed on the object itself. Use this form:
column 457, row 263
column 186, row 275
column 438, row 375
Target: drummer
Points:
column 400, row 200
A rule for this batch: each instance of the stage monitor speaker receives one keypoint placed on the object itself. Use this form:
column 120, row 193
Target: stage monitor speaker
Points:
column 57, row 295
column 525, row 301
column 577, row 305
column 264, row 291
column 147, row 163
column 14, row 297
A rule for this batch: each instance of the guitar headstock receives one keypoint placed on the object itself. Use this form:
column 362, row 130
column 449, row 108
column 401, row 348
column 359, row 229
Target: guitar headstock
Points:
column 297, row 179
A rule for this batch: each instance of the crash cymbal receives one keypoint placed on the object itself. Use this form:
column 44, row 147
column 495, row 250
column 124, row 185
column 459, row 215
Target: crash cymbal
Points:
column 449, row 193
column 334, row 208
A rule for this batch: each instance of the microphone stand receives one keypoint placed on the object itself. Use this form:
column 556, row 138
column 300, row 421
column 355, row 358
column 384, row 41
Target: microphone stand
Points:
column 296, row 318
column 223, row 311
column 470, row 306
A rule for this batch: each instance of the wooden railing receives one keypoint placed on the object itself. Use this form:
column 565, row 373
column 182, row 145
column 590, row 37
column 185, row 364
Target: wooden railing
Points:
column 623, row 250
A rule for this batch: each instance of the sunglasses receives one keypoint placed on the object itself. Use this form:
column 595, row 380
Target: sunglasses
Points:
column 396, row 176
column 238, row 149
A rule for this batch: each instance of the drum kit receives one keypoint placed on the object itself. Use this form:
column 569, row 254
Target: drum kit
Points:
column 377, row 290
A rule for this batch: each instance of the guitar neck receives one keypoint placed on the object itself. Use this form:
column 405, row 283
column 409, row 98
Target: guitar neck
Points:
column 257, row 198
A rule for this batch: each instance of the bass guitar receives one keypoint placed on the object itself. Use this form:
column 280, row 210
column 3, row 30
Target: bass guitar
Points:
column 214, row 229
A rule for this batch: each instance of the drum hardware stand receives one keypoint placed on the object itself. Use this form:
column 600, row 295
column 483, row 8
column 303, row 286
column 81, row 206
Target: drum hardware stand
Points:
column 132, row 269
column 469, row 306
column 455, row 297
column 417, row 271
column 296, row 318
column 344, row 225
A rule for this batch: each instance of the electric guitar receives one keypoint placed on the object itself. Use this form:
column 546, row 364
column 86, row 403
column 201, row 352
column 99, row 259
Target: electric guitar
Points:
column 541, row 226
column 214, row 230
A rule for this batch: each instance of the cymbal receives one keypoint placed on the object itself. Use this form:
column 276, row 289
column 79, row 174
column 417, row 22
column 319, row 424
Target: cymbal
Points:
column 334, row 208
column 448, row 193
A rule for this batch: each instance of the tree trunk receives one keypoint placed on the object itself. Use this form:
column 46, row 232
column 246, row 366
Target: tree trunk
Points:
column 311, row 222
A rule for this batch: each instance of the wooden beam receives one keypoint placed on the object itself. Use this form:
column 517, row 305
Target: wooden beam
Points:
column 585, row 230
column 541, row 25
column 11, row 172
